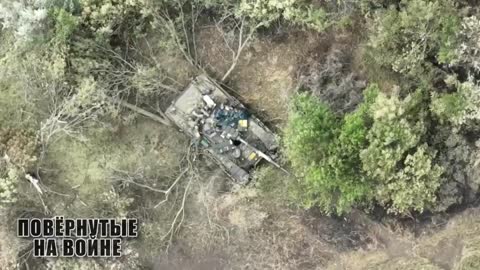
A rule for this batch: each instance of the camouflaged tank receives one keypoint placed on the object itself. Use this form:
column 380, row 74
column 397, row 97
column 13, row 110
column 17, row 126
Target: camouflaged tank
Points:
column 223, row 126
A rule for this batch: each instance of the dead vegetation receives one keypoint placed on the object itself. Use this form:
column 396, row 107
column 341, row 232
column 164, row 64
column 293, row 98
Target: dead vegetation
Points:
column 266, row 75
column 245, row 235
column 333, row 80
column 455, row 246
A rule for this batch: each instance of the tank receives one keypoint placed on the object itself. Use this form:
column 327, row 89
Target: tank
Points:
column 223, row 126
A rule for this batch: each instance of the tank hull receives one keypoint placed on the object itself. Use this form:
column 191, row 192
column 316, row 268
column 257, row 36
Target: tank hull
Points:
column 222, row 125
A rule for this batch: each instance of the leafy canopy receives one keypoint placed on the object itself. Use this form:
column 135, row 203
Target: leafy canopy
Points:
column 325, row 149
column 375, row 154
column 407, row 40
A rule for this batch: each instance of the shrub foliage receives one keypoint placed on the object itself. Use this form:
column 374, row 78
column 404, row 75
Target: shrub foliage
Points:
column 376, row 153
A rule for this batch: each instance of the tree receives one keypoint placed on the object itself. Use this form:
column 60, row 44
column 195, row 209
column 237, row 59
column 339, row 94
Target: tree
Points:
column 404, row 182
column 290, row 10
column 460, row 108
column 311, row 128
column 19, row 147
column 349, row 185
column 9, row 179
column 413, row 187
column 375, row 154
column 325, row 150
column 18, row 154
column 25, row 18
column 469, row 47
column 395, row 131
column 420, row 34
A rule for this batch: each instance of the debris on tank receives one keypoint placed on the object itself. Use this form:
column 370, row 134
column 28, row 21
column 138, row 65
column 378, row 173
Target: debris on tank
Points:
column 221, row 124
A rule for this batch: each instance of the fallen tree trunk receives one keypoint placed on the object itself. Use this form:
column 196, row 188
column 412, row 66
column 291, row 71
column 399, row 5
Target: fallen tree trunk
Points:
column 161, row 119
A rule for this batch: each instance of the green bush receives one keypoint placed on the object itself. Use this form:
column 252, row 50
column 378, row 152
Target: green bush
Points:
column 9, row 179
column 392, row 135
column 325, row 150
column 448, row 107
column 20, row 146
column 109, row 17
column 404, row 181
column 469, row 50
column 65, row 24
column 375, row 154
column 311, row 128
column 460, row 108
column 297, row 12
column 407, row 40
column 413, row 187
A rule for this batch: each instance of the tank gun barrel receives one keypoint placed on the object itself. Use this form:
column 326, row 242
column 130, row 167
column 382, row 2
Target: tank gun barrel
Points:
column 263, row 155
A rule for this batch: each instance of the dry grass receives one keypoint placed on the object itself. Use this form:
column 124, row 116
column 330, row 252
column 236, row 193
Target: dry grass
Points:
column 244, row 234
column 83, row 170
column 267, row 72
column 10, row 248
column 457, row 246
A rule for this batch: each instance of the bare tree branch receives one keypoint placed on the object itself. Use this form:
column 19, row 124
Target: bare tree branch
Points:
column 244, row 36
column 161, row 119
